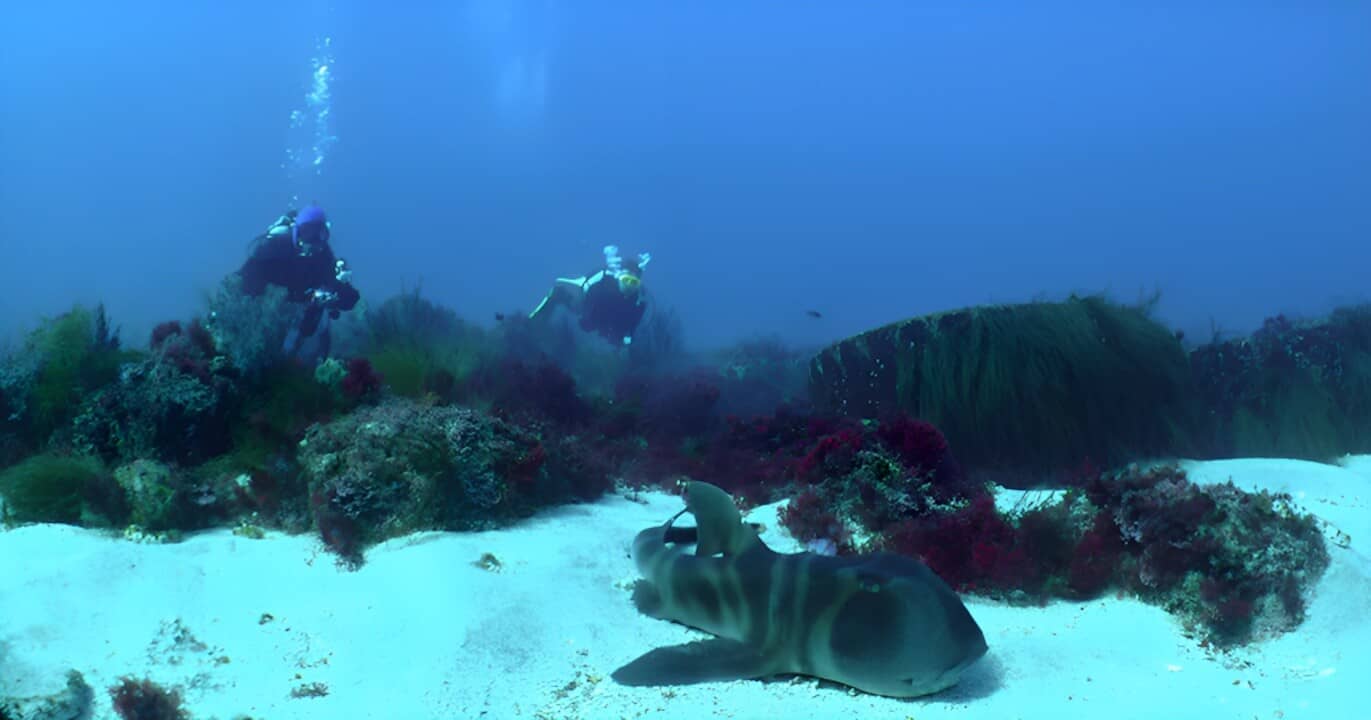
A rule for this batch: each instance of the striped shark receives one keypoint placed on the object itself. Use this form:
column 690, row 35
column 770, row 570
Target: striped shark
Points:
column 880, row 623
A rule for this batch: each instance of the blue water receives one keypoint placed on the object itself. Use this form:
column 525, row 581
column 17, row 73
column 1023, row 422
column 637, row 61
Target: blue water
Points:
column 868, row 161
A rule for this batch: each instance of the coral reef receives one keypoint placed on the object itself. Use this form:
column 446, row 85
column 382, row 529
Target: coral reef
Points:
column 72, row 702
column 1293, row 389
column 1233, row 565
column 175, row 403
column 250, row 331
column 135, row 699
column 530, row 392
column 809, row 518
column 761, row 374
column 18, row 370
column 420, row 348
column 275, row 412
column 54, row 488
column 752, row 459
column 881, row 473
column 674, row 407
column 658, row 346
column 428, row 423
column 160, row 497
column 361, row 382
column 403, row 466
column 61, row 362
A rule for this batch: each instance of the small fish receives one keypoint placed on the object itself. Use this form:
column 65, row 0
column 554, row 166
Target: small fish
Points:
column 814, row 314
column 499, row 317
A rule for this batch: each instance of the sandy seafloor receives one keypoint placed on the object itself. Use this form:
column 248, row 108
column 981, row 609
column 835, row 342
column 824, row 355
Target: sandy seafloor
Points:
column 421, row 632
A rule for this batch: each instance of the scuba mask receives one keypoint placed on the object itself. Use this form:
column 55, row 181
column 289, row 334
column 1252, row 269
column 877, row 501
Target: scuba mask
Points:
column 309, row 239
column 309, row 227
column 629, row 284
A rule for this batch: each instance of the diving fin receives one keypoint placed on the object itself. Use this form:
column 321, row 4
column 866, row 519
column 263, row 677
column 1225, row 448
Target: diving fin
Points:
column 541, row 305
column 558, row 295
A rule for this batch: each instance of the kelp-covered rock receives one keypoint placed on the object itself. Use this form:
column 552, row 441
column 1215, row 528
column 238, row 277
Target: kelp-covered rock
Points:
column 250, row 331
column 43, row 383
column 73, row 702
column 173, row 404
column 868, row 477
column 59, row 489
column 1037, row 386
column 403, row 466
column 418, row 347
column 18, row 371
column 1233, row 566
column 1295, row 389
column 1236, row 565
column 757, row 376
column 153, row 491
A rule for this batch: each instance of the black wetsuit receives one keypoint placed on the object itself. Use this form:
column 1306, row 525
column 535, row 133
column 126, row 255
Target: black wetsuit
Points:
column 610, row 313
column 276, row 260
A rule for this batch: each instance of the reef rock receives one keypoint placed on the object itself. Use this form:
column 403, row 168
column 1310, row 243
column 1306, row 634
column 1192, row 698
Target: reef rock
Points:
column 404, row 466
column 1037, row 386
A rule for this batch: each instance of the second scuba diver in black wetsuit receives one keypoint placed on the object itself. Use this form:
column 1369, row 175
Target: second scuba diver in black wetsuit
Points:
column 609, row 302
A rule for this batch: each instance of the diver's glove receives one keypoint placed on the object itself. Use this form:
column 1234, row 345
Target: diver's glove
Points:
column 341, row 272
column 283, row 226
column 323, row 298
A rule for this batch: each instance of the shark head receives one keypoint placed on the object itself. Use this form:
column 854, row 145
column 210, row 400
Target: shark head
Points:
column 899, row 630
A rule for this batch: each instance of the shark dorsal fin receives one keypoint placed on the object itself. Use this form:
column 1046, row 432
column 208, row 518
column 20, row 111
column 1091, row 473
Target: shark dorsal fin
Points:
column 721, row 526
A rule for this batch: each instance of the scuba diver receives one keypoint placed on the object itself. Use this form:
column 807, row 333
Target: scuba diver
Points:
column 294, row 254
column 610, row 302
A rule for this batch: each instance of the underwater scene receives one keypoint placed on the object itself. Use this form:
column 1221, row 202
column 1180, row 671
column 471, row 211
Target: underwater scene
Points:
column 595, row 359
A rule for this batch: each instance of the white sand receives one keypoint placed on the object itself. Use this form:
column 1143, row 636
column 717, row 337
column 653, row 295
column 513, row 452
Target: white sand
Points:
column 420, row 632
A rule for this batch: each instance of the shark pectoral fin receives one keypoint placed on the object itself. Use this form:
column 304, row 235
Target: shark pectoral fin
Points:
column 711, row 660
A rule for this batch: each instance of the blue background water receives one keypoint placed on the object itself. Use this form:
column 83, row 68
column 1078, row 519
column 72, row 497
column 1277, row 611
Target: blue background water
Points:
column 871, row 161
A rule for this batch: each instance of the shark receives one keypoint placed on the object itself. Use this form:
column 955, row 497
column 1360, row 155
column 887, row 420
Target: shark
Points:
column 881, row 623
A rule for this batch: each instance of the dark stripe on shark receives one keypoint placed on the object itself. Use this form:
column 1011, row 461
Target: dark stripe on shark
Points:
column 784, row 604
column 691, row 592
column 751, row 593
column 826, row 601
column 790, row 579
column 704, row 591
column 740, row 611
